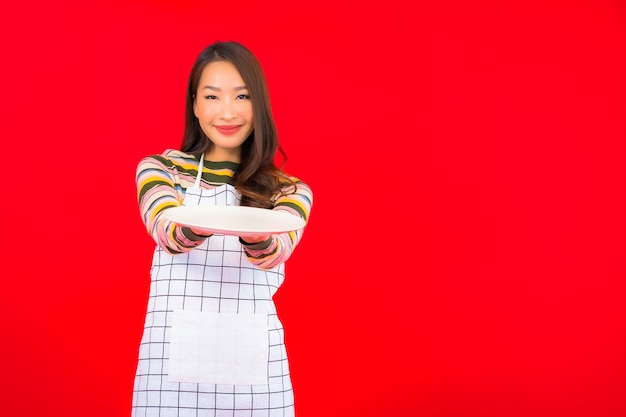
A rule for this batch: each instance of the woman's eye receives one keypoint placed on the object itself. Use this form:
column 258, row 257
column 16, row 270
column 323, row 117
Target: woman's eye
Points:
column 243, row 97
column 210, row 97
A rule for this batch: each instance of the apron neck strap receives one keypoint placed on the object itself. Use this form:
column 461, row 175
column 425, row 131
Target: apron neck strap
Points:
column 196, row 185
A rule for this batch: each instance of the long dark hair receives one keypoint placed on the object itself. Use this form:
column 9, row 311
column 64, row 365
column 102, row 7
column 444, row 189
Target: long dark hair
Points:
column 258, row 178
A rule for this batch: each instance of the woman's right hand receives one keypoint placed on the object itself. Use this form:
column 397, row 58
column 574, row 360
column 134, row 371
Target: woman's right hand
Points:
column 200, row 232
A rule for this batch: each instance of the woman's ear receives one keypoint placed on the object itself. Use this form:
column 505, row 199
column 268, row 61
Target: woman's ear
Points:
column 194, row 106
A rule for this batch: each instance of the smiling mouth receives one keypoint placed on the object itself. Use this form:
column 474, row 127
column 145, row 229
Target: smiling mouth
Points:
column 228, row 130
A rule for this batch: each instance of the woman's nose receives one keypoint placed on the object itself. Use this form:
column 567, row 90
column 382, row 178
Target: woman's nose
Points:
column 228, row 109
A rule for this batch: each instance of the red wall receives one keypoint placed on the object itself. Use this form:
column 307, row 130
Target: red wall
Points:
column 466, row 251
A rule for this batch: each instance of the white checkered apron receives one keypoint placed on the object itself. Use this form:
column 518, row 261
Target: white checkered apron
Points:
column 216, row 277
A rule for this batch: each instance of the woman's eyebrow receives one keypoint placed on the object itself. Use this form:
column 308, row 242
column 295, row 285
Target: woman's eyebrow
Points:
column 213, row 88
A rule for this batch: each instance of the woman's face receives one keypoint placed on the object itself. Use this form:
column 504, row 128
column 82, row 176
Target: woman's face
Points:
column 224, row 110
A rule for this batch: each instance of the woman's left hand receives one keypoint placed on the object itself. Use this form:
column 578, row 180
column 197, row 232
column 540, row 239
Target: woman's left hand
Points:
column 254, row 239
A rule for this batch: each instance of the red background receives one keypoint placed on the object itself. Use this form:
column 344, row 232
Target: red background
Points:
column 466, row 250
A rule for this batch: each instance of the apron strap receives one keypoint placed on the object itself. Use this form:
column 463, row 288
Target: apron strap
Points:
column 196, row 185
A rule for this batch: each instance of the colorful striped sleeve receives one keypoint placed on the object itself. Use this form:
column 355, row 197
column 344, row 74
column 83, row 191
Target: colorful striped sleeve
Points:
column 279, row 248
column 157, row 191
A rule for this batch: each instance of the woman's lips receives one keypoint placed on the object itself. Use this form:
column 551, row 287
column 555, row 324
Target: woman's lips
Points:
column 228, row 129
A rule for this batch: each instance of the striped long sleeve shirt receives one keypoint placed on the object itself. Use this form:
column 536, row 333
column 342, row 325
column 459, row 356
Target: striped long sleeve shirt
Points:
column 162, row 181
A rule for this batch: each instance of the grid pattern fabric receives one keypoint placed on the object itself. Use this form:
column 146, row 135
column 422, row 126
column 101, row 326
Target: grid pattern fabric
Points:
column 215, row 277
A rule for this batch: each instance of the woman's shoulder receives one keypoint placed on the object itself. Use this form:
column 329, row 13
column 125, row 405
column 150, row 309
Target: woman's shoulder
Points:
column 294, row 184
column 290, row 179
column 170, row 158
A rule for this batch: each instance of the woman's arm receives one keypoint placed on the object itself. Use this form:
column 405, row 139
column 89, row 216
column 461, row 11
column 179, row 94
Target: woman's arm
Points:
column 157, row 192
column 278, row 248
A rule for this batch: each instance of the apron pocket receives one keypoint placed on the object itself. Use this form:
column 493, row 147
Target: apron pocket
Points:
column 219, row 348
